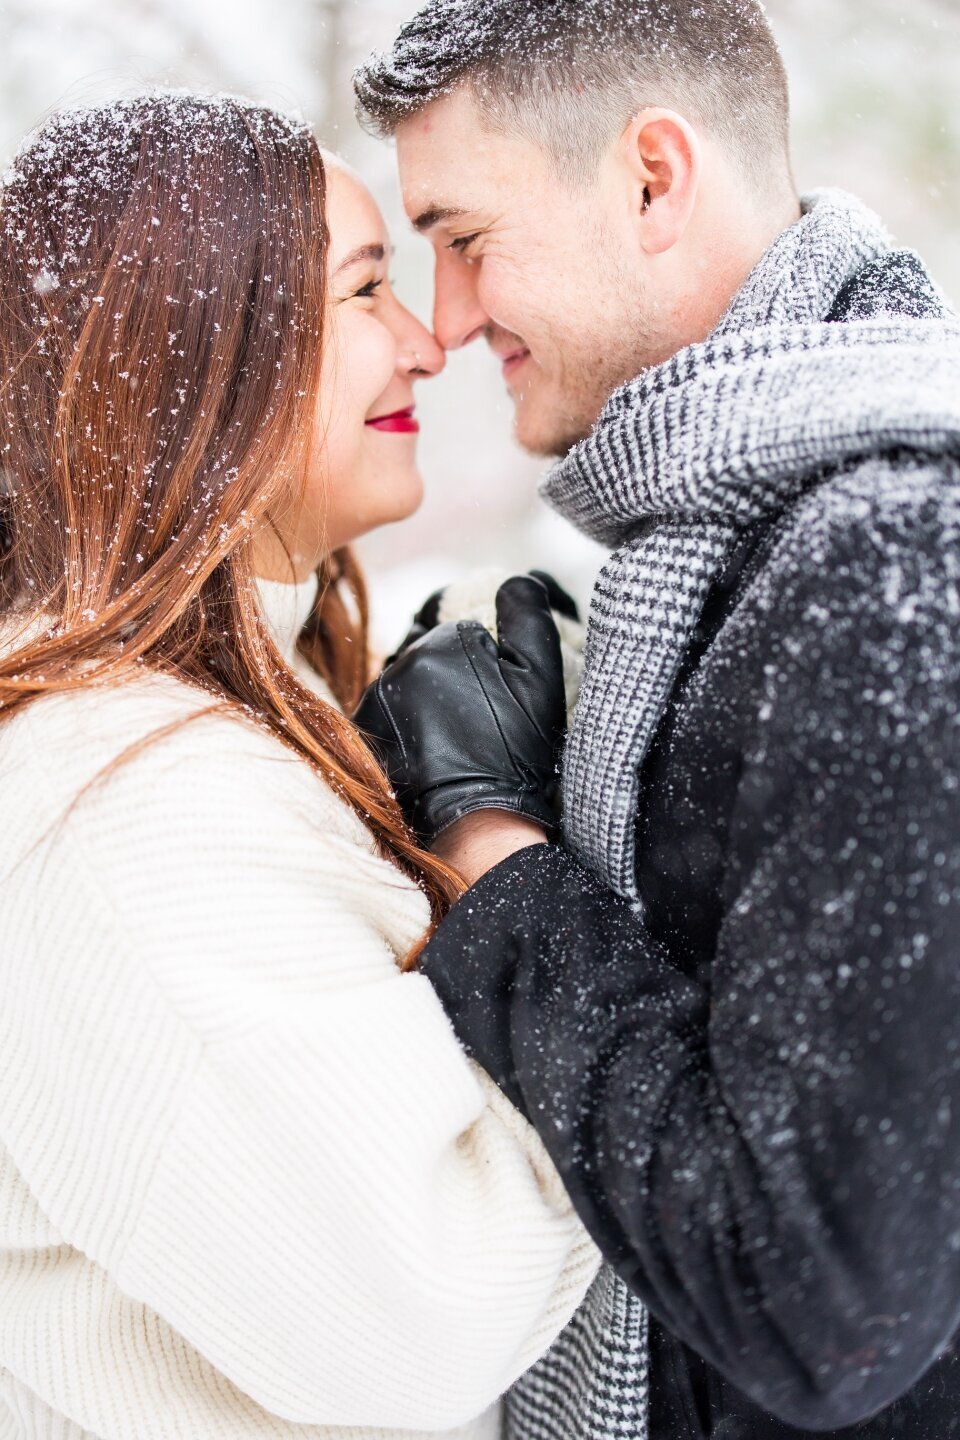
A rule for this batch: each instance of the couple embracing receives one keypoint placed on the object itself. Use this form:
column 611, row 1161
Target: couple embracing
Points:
column 353, row 1082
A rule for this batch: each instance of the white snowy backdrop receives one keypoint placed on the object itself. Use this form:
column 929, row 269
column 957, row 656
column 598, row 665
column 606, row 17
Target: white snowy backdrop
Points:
column 876, row 109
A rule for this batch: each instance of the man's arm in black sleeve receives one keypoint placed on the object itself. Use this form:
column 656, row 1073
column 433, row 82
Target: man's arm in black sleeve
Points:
column 773, row 1164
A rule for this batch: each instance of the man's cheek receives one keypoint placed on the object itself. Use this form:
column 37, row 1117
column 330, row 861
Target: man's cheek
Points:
column 503, row 302
column 491, row 306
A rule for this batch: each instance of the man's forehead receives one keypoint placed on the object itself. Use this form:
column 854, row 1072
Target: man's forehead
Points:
column 450, row 163
column 449, row 116
column 438, row 194
column 434, row 180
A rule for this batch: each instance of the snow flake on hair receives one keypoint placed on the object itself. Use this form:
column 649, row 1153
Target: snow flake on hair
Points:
column 435, row 47
column 590, row 58
column 80, row 165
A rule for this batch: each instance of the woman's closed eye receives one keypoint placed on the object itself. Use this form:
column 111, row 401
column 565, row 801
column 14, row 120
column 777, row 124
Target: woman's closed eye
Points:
column 368, row 291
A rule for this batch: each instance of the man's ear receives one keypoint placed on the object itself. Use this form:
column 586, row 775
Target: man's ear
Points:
column 664, row 158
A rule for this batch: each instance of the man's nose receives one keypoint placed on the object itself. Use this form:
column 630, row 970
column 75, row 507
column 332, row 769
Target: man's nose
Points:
column 458, row 316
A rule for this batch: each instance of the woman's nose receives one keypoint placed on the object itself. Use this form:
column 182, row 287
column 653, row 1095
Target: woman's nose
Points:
column 419, row 352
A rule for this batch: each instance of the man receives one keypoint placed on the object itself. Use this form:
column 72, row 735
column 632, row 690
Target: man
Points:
column 731, row 1010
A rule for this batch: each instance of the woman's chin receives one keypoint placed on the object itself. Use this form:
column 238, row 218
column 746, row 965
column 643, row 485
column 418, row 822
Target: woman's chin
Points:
column 406, row 498
column 400, row 502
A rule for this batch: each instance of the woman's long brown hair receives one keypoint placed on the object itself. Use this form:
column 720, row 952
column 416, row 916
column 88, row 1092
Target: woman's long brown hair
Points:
column 162, row 292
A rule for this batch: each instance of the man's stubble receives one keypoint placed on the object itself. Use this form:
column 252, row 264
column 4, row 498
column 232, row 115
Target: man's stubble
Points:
column 594, row 359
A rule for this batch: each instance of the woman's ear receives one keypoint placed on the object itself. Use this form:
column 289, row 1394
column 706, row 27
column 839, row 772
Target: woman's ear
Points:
column 664, row 158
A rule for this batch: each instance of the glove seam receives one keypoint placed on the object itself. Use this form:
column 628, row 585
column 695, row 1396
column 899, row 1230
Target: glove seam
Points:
column 496, row 719
column 389, row 718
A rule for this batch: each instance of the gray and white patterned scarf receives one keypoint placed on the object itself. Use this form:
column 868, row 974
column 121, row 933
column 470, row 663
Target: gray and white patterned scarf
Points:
column 682, row 460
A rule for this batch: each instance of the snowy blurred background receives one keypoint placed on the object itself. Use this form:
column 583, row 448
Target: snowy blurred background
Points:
column 876, row 109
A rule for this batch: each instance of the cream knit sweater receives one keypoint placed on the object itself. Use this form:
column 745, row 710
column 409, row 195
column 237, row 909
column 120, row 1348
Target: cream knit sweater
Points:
column 249, row 1184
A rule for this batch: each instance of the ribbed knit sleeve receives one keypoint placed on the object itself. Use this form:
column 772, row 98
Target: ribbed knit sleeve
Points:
column 220, row 1088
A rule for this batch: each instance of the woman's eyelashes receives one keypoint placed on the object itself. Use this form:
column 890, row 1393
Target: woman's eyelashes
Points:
column 368, row 291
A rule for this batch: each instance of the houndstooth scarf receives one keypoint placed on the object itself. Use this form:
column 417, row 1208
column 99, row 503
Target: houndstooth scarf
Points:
column 682, row 460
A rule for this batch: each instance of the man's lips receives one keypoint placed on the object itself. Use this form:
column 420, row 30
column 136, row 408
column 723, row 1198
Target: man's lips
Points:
column 400, row 422
column 512, row 361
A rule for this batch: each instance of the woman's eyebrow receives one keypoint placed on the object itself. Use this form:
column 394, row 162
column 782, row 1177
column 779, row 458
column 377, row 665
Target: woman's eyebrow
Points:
column 362, row 252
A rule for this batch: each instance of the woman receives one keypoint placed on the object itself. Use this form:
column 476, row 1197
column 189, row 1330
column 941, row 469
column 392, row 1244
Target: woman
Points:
column 249, row 1184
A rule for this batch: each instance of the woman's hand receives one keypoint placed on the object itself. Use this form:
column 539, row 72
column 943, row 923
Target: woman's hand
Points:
column 462, row 723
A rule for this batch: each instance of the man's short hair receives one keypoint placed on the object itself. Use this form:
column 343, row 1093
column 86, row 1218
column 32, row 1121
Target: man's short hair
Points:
column 570, row 74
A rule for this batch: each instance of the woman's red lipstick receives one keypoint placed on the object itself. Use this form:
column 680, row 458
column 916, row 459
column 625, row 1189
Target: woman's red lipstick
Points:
column 401, row 422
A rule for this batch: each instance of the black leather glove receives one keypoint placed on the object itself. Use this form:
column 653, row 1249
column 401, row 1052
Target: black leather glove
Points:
column 428, row 616
column 461, row 723
column 560, row 600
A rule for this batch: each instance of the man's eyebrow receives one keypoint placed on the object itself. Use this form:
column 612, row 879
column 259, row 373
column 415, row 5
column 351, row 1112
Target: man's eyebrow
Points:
column 436, row 216
column 362, row 252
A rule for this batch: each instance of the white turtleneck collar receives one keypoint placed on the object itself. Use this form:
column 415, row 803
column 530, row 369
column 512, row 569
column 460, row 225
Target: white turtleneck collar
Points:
column 286, row 607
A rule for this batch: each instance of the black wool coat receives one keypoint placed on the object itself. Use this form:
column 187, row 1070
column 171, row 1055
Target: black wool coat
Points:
column 753, row 1091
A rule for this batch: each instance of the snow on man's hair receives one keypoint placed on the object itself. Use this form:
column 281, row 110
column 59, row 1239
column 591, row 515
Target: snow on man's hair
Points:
column 569, row 74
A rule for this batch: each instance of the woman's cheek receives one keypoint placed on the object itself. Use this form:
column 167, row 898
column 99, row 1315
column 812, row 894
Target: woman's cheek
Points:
column 371, row 356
